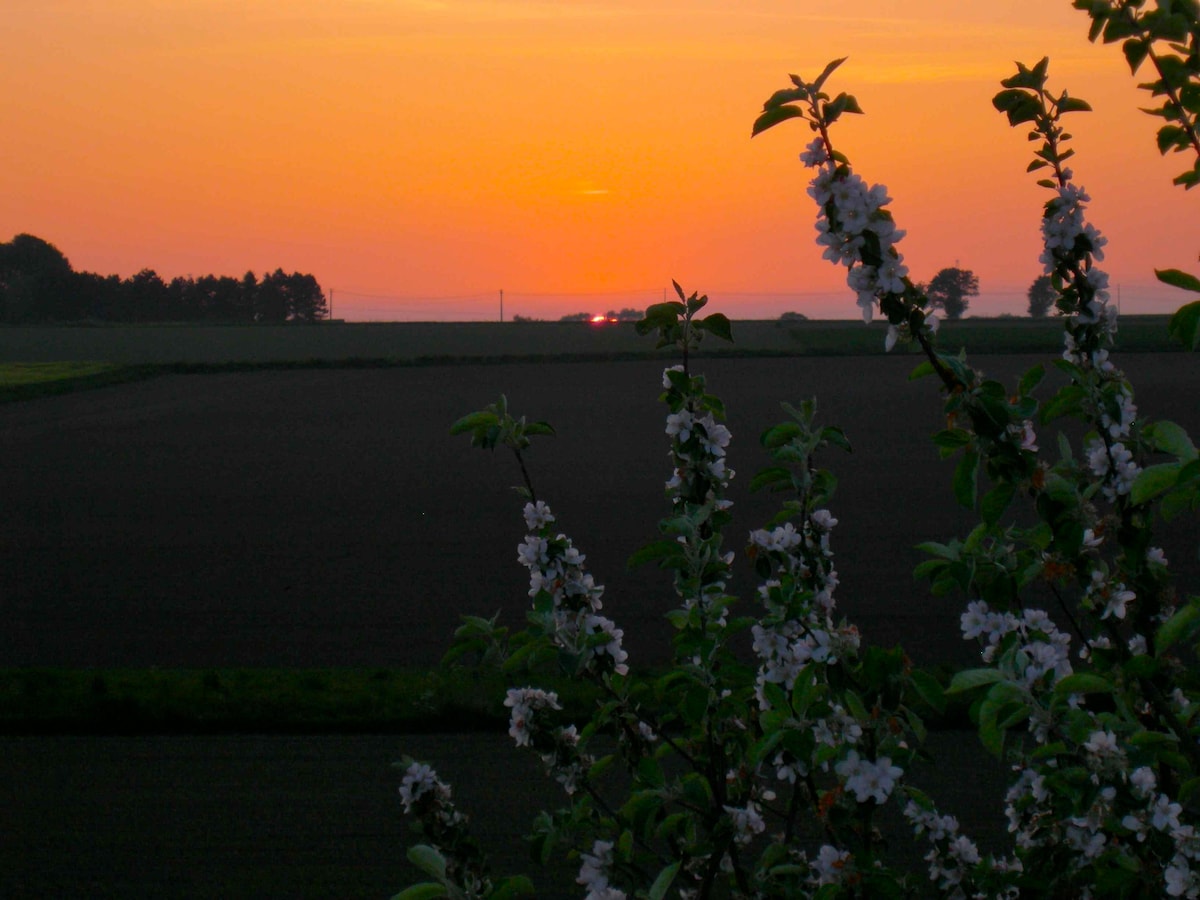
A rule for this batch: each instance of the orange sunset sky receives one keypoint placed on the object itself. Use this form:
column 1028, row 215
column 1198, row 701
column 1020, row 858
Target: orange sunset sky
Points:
column 419, row 156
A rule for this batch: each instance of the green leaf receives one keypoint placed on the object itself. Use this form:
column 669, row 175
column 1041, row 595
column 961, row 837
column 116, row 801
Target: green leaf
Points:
column 930, row 690
column 718, row 324
column 1171, row 438
column 1185, row 325
column 424, row 891
column 473, row 421
column 966, row 478
column 1031, row 380
column 655, row 551
column 1067, row 401
column 772, row 117
column 1172, row 630
column 945, row 551
column 513, row 887
column 922, row 370
column 969, row 679
column 826, row 72
column 428, row 860
column 1179, row 279
column 649, row 772
column 662, row 883
column 786, row 95
column 835, row 436
column 1171, row 137
column 855, row 705
column 625, row 845
column 991, row 735
column 1017, row 105
column 952, row 438
column 775, row 476
column 778, row 435
column 842, row 103
column 1073, row 104
column 1083, row 683
column 996, row 501
column 1187, row 791
column 1154, row 480
column 1136, row 50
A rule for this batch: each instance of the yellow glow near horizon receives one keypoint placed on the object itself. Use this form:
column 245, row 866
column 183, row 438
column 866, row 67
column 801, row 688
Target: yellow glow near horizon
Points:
column 414, row 148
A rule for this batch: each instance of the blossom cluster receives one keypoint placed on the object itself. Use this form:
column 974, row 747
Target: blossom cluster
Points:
column 869, row 779
column 698, row 448
column 955, row 862
column 556, row 571
column 595, row 870
column 558, row 746
column 1070, row 244
column 696, row 489
column 427, row 798
column 426, row 795
column 1099, row 827
column 798, row 629
column 851, row 218
column 1029, row 648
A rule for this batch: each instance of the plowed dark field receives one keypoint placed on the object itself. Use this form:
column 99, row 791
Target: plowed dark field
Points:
column 327, row 518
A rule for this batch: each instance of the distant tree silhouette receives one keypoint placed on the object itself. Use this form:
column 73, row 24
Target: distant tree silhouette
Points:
column 306, row 299
column 97, row 296
column 576, row 317
column 37, row 284
column 1041, row 296
column 951, row 290
column 628, row 314
column 793, row 317
column 35, row 281
column 246, row 294
column 145, row 297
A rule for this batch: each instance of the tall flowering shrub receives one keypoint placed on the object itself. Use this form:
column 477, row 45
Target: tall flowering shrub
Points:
column 765, row 773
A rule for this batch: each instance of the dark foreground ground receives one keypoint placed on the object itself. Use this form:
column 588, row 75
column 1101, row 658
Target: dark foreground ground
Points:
column 326, row 518
column 249, row 816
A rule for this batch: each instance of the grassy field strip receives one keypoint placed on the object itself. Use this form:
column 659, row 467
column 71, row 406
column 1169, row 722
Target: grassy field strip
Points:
column 12, row 374
column 30, row 380
column 266, row 700
column 165, row 701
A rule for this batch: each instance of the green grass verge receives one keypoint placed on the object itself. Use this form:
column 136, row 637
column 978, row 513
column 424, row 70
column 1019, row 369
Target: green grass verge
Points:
column 289, row 701
column 27, row 381
column 120, row 701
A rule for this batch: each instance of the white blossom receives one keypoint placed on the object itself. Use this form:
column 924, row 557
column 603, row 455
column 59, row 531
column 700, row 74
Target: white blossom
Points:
column 537, row 515
column 869, row 780
column 524, row 702
column 594, row 871
column 828, row 867
column 747, row 822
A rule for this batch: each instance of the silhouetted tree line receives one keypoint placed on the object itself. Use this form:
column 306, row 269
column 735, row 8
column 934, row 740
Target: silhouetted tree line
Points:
column 37, row 284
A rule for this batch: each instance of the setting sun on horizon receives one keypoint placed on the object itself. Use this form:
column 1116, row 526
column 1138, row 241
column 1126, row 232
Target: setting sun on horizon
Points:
column 419, row 157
